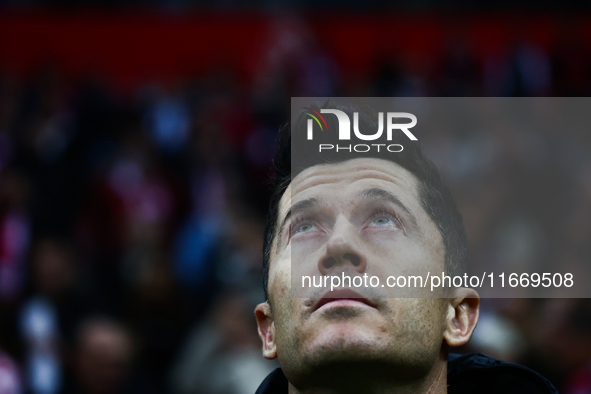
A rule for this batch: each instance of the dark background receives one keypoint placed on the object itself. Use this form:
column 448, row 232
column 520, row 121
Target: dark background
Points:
column 135, row 142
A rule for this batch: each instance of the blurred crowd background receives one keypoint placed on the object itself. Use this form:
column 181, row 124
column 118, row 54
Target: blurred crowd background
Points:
column 134, row 154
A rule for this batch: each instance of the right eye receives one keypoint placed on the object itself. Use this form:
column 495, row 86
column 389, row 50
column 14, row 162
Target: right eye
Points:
column 303, row 227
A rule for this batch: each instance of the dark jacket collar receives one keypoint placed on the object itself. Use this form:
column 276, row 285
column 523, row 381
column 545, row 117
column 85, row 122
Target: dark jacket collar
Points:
column 274, row 383
column 467, row 373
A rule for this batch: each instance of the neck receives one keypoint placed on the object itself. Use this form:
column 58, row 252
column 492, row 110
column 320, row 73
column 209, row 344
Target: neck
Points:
column 378, row 382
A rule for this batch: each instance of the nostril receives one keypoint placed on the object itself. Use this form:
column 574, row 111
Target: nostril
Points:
column 329, row 262
column 355, row 260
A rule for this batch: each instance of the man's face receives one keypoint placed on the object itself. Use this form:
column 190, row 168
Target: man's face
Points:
column 360, row 216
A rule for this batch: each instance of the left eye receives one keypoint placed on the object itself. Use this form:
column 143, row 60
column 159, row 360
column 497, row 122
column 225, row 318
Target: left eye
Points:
column 382, row 220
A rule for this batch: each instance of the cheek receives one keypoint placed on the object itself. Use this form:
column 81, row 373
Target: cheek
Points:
column 306, row 248
column 379, row 235
column 280, row 294
column 420, row 257
column 280, row 277
column 286, row 320
column 420, row 323
column 402, row 258
column 432, row 243
column 304, row 253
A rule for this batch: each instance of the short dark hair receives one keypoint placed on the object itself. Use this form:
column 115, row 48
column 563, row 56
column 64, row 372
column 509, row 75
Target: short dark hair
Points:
column 434, row 195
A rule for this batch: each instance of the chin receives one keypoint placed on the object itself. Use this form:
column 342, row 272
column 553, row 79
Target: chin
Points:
column 342, row 341
column 338, row 358
column 364, row 341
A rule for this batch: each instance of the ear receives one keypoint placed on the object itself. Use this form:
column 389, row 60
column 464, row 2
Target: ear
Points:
column 266, row 327
column 462, row 317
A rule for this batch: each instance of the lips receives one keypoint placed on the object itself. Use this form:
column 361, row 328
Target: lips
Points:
column 339, row 295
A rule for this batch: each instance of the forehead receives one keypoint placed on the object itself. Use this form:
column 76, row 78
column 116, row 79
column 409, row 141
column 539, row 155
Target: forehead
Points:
column 334, row 181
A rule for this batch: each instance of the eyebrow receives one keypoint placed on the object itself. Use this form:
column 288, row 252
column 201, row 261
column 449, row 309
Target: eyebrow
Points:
column 381, row 194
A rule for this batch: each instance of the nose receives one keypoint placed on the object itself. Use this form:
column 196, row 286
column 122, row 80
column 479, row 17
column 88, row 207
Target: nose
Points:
column 343, row 250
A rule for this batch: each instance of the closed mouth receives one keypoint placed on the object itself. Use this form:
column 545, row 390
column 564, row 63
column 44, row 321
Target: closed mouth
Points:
column 339, row 295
